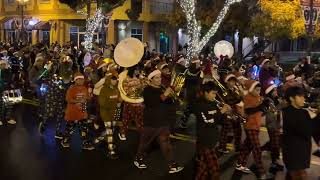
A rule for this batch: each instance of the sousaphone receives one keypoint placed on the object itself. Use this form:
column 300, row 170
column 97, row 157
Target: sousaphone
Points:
column 128, row 53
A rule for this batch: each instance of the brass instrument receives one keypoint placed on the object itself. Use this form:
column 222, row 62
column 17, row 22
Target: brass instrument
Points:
column 177, row 82
column 127, row 54
column 174, row 96
column 221, row 86
column 232, row 114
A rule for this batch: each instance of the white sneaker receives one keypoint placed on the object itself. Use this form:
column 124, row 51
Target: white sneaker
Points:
column 1, row 123
column 243, row 169
column 122, row 137
column 11, row 121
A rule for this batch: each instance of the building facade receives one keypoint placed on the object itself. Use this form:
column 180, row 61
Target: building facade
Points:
column 50, row 21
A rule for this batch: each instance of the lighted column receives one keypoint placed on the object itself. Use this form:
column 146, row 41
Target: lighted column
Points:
column 111, row 32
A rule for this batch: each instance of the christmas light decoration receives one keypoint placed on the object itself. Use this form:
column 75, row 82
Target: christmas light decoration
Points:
column 196, row 44
column 92, row 25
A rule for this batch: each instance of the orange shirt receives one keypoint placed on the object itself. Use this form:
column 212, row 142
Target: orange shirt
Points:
column 253, row 120
column 74, row 111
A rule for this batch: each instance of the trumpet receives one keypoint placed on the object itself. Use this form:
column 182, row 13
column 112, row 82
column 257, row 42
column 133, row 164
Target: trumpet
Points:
column 221, row 86
column 232, row 114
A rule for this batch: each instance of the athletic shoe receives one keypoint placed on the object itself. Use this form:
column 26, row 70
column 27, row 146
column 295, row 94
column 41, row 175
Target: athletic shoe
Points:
column 41, row 129
column 277, row 166
column 59, row 135
column 139, row 163
column 12, row 122
column 87, row 146
column 1, row 123
column 243, row 169
column 174, row 168
column 112, row 156
column 122, row 137
column 266, row 176
column 223, row 151
column 65, row 144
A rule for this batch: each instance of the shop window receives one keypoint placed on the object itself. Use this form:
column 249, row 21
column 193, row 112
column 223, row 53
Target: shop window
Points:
column 137, row 33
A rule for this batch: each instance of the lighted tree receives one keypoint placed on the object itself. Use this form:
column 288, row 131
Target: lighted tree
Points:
column 278, row 19
column 104, row 9
column 197, row 42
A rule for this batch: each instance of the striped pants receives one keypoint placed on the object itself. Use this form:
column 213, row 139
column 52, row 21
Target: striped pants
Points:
column 251, row 144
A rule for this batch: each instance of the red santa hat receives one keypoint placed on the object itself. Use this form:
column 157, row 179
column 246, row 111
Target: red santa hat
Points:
column 290, row 76
column 269, row 88
column 102, row 64
column 153, row 73
column 264, row 61
column 239, row 76
column 78, row 75
column 229, row 76
column 251, row 84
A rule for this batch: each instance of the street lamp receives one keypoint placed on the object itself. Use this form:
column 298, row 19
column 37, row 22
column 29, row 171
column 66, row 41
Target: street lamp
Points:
column 311, row 13
column 22, row 4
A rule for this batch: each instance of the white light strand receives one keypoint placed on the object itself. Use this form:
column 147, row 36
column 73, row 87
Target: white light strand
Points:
column 195, row 45
column 92, row 25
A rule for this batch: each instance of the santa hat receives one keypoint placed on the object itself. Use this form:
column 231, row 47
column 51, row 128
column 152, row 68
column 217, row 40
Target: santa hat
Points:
column 95, row 56
column 251, row 84
column 3, row 62
column 78, row 75
column 153, row 73
column 181, row 60
column 239, row 76
column 102, row 64
column 290, row 76
column 269, row 88
column 228, row 77
column 148, row 62
column 264, row 61
column 160, row 66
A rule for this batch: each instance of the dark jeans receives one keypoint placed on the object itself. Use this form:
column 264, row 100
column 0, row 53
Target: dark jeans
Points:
column 148, row 135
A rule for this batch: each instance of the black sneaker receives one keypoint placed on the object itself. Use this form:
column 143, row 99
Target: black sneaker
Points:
column 65, row 144
column 277, row 166
column 41, row 129
column 139, row 163
column 88, row 146
column 316, row 153
column 174, row 168
column 223, row 151
column 112, row 156
column 59, row 135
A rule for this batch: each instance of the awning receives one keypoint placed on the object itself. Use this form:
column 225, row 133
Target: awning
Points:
column 43, row 25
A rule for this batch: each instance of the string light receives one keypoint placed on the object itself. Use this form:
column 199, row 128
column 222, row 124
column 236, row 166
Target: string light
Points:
column 194, row 27
column 92, row 25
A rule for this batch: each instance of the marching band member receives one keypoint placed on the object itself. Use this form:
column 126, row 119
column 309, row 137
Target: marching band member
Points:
column 193, row 81
column 133, row 85
column 233, row 99
column 273, row 124
column 253, row 108
column 76, row 113
column 297, row 133
column 109, row 100
column 208, row 118
column 5, row 84
column 158, row 107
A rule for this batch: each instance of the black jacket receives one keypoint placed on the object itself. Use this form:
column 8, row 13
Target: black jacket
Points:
column 297, row 132
column 208, row 119
column 157, row 113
